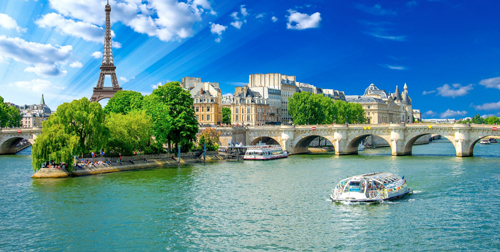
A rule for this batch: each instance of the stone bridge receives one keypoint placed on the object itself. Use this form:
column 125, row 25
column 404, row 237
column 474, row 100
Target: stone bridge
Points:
column 346, row 138
column 9, row 138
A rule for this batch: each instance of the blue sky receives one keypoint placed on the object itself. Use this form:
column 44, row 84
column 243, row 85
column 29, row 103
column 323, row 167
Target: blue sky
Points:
column 446, row 51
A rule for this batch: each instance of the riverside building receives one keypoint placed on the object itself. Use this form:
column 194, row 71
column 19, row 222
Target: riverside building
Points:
column 286, row 85
column 383, row 107
column 34, row 115
column 250, row 108
column 207, row 100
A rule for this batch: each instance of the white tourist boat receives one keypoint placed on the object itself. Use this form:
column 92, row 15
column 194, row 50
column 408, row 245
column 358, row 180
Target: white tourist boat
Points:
column 371, row 187
column 265, row 152
column 485, row 141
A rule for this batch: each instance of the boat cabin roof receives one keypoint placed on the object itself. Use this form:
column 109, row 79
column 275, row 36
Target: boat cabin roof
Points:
column 383, row 177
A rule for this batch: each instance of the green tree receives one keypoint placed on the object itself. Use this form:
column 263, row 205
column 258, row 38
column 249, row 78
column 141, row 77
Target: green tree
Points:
column 328, row 106
column 172, row 114
column 124, row 102
column 4, row 113
column 492, row 120
column 477, row 119
column 14, row 117
column 356, row 113
column 84, row 120
column 342, row 111
column 210, row 137
column 55, row 144
column 226, row 115
column 128, row 133
column 305, row 108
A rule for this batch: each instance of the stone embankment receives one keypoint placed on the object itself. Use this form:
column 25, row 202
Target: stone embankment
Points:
column 152, row 161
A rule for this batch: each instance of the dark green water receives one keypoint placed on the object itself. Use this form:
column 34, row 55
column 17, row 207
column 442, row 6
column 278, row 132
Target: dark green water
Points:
column 276, row 205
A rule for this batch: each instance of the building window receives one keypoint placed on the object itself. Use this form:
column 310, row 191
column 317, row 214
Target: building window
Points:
column 237, row 109
column 197, row 118
column 249, row 110
column 202, row 108
column 248, row 118
column 208, row 109
column 208, row 117
column 197, row 109
column 236, row 118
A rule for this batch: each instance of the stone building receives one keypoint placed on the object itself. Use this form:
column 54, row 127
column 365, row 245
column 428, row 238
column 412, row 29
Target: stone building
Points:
column 207, row 100
column 286, row 84
column 418, row 115
column 383, row 107
column 250, row 108
column 273, row 96
column 34, row 115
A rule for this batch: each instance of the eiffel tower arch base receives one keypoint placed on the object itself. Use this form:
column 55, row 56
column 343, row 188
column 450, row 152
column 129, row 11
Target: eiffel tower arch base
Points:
column 103, row 93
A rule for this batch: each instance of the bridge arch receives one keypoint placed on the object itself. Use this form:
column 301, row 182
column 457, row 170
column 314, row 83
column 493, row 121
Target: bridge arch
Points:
column 302, row 144
column 411, row 139
column 9, row 145
column 474, row 141
column 265, row 140
column 355, row 141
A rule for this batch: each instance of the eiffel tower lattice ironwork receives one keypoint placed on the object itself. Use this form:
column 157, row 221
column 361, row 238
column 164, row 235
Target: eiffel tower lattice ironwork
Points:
column 107, row 67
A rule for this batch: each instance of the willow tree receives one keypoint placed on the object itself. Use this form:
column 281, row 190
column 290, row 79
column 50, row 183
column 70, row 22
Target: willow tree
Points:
column 79, row 124
column 54, row 145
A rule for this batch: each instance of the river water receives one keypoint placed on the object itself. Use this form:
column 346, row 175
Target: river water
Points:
column 276, row 205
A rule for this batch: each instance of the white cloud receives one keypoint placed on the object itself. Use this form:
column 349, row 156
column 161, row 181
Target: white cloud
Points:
column 428, row 92
column 237, row 24
column 375, row 10
column 9, row 23
column 274, row 19
column 36, row 86
column 454, row 90
column 97, row 55
column 167, row 20
column 156, row 86
column 488, row 106
column 300, row 21
column 388, row 37
column 86, row 31
column 430, row 113
column 451, row 113
column 217, row 29
column 261, row 15
column 243, row 11
column 491, row 82
column 125, row 80
column 395, row 67
column 116, row 44
column 76, row 64
column 45, row 70
column 45, row 58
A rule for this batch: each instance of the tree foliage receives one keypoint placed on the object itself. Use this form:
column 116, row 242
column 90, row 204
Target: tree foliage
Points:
column 55, row 144
column 78, row 125
column 226, row 116
column 124, row 102
column 308, row 108
column 477, row 119
column 128, row 133
column 210, row 137
column 172, row 114
column 9, row 115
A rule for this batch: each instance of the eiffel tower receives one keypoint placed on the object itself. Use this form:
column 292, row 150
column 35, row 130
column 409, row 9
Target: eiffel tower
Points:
column 107, row 67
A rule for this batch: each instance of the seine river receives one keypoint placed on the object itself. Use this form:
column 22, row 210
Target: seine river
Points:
column 240, row 206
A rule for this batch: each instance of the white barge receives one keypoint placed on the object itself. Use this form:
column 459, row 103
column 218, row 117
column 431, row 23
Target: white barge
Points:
column 371, row 187
column 264, row 152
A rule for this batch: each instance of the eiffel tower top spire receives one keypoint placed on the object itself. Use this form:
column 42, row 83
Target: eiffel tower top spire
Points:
column 107, row 59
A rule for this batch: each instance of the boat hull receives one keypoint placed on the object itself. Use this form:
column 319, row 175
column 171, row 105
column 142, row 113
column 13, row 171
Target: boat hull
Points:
column 263, row 158
column 397, row 197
